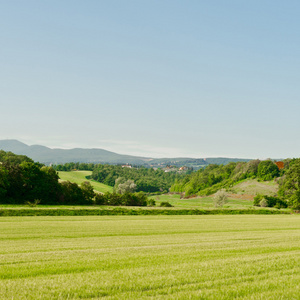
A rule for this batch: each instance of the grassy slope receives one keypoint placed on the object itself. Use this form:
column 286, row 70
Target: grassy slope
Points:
column 125, row 257
column 253, row 187
column 80, row 176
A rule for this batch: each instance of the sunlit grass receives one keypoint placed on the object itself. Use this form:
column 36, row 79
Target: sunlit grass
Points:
column 201, row 202
column 81, row 176
column 150, row 257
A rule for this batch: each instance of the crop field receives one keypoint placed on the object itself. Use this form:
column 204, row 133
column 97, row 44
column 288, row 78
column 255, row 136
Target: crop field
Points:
column 81, row 176
column 150, row 257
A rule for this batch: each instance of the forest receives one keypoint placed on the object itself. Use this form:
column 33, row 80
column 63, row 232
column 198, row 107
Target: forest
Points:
column 23, row 181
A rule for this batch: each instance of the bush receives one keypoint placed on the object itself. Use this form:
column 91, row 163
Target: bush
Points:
column 263, row 203
column 151, row 202
column 269, row 201
column 281, row 204
column 72, row 194
column 127, row 199
column 165, row 204
column 99, row 199
column 220, row 198
column 33, row 203
column 257, row 199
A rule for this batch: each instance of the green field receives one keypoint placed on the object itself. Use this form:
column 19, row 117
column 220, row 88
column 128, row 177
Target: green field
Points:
column 81, row 176
column 150, row 257
column 200, row 202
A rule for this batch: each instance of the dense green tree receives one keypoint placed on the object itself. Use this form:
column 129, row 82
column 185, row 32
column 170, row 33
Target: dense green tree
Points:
column 88, row 191
column 22, row 181
column 4, row 181
column 50, row 186
column 15, row 191
column 32, row 179
column 9, row 158
column 72, row 194
column 290, row 186
column 267, row 170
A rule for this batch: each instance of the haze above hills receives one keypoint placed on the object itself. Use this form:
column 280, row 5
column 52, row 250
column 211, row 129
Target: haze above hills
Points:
column 49, row 156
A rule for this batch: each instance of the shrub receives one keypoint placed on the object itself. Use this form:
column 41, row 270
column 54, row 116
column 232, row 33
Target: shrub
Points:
column 72, row 194
column 33, row 203
column 281, row 204
column 257, row 199
column 127, row 199
column 269, row 201
column 165, row 204
column 220, row 198
column 135, row 199
column 151, row 202
column 99, row 199
column 263, row 203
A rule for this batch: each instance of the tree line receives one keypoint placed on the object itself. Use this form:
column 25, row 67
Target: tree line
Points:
column 147, row 180
column 24, row 181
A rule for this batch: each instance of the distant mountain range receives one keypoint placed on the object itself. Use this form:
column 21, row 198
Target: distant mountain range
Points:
column 49, row 156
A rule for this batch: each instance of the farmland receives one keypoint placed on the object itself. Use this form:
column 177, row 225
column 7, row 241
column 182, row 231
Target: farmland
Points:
column 143, row 257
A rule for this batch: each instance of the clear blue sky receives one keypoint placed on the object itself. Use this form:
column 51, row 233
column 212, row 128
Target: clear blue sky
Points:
column 153, row 78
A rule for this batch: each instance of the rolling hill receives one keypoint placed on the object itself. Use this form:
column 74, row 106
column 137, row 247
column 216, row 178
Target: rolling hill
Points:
column 49, row 156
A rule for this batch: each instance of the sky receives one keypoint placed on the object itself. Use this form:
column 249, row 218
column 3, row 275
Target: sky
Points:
column 157, row 78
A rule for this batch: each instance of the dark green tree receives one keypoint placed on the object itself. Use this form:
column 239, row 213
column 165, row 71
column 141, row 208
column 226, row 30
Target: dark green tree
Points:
column 88, row 191
column 4, row 182
column 290, row 186
column 267, row 170
column 71, row 194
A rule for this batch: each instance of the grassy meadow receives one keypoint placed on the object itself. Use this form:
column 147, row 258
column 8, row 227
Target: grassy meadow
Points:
column 81, row 176
column 201, row 202
column 253, row 187
column 150, row 257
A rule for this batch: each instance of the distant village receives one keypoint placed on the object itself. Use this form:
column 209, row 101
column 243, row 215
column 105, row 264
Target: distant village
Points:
column 168, row 168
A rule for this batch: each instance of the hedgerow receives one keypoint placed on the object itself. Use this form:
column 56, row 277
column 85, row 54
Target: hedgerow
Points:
column 128, row 211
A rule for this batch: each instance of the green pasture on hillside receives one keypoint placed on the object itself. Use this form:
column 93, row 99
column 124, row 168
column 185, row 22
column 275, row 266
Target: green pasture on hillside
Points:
column 150, row 257
column 81, row 176
column 254, row 187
